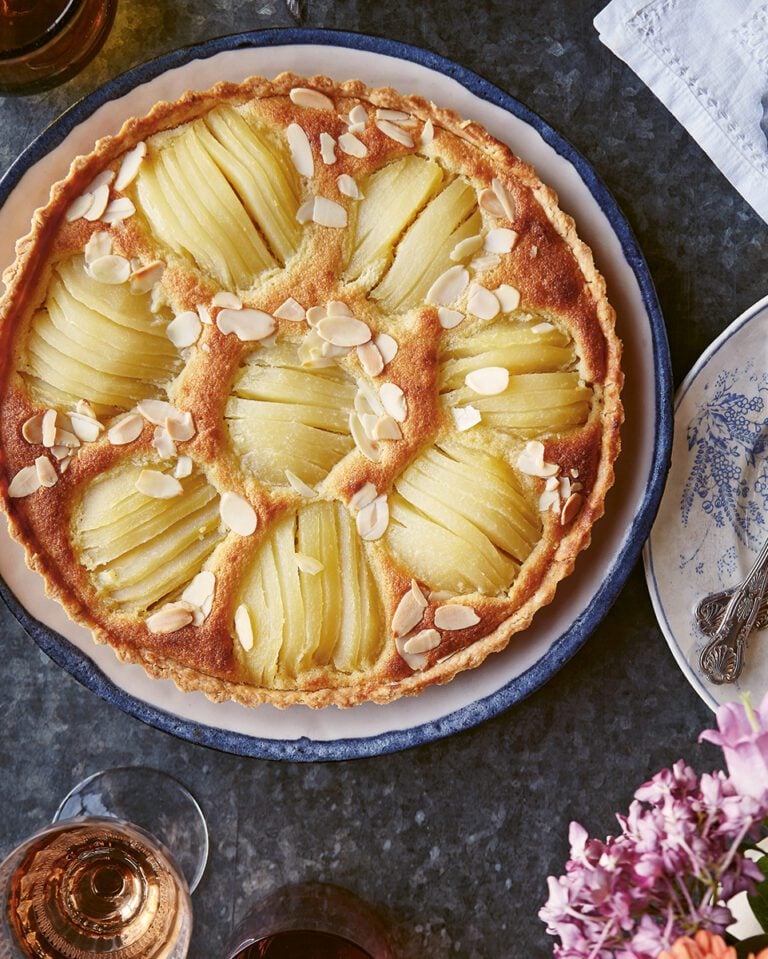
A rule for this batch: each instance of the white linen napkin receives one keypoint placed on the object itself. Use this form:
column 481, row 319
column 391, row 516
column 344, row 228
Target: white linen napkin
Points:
column 707, row 61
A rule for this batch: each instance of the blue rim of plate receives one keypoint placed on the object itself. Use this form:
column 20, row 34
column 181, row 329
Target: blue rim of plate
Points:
column 691, row 674
column 82, row 668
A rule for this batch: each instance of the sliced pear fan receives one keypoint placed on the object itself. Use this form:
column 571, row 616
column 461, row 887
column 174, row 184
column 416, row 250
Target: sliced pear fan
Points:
column 301, row 620
column 282, row 416
column 224, row 195
column 140, row 550
column 98, row 342
column 460, row 522
column 545, row 394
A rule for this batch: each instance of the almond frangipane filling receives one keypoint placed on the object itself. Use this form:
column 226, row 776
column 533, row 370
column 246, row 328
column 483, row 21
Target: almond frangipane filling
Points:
column 315, row 385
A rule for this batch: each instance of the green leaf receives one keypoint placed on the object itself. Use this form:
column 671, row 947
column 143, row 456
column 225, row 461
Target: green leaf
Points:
column 759, row 901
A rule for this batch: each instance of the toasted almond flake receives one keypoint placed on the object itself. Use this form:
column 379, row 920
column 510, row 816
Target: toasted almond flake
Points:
column 158, row 485
column 352, row 146
column 327, row 149
column 184, row 330
column 386, row 428
column 338, row 308
column 394, row 402
column 65, row 438
column 32, row 430
column 466, row 247
column 396, row 116
column 130, row 166
column 290, row 310
column 455, row 616
column 306, row 211
column 247, row 325
column 118, row 210
column 489, row 261
column 549, row 501
column 299, row 485
column 440, row 595
column 157, row 411
column 99, row 244
column 308, row 564
column 85, row 428
column 301, row 151
column 369, row 421
column 574, row 473
column 370, row 358
column 180, row 426
column 500, row 240
column 448, row 287
column 414, row 661
column 543, row 328
column 183, row 467
column 348, row 187
column 387, row 346
column 98, row 206
column 79, row 207
column 489, row 202
column 564, row 487
column 84, row 408
column 367, row 447
column 427, row 133
column 531, row 461
column 358, row 115
column 45, row 472
column 127, row 430
column 466, row 417
column 101, row 179
column 24, row 483
column 244, row 627
column 488, row 381
column 363, row 496
column 482, row 302
column 49, row 427
column 199, row 594
column 204, row 313
column 508, row 297
column 112, row 269
column 552, row 483
column 422, row 642
column 143, row 279
column 394, row 132
column 163, row 443
column 329, row 213
column 418, row 595
column 238, row 514
column 505, row 200
column 570, row 508
column 344, row 331
column 310, row 99
column 170, row 618
column 227, row 300
column 60, row 453
column 449, row 318
column 373, row 519
column 367, row 400
column 64, row 464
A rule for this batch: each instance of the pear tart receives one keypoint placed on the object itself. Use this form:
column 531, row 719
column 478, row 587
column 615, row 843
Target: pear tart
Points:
column 310, row 393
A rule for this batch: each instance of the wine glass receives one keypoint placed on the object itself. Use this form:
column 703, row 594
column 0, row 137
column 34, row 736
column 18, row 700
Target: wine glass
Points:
column 111, row 876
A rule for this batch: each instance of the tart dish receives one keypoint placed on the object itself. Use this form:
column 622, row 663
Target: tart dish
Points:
column 310, row 393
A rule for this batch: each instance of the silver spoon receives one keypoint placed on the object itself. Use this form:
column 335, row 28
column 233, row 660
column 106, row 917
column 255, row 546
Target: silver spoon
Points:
column 722, row 659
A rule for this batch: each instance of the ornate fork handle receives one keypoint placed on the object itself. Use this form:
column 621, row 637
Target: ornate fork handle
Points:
column 722, row 659
column 709, row 612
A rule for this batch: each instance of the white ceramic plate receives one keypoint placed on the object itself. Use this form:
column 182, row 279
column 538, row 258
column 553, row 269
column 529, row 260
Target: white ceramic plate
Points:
column 713, row 516
column 299, row 733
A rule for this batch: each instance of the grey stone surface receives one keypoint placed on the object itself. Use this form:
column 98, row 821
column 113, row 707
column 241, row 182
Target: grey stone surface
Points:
column 454, row 840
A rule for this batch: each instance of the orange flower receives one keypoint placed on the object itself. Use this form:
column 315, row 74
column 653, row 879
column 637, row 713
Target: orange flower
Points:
column 704, row 945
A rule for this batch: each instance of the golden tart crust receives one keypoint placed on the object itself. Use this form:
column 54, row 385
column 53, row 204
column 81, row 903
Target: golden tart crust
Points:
column 559, row 288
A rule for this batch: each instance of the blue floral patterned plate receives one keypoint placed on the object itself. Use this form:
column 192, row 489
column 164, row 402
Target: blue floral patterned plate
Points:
column 713, row 516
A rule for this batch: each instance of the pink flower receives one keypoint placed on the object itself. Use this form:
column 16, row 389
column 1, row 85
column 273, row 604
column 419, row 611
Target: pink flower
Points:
column 743, row 737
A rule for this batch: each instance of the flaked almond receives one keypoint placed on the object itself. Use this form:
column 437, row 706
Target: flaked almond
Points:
column 422, row 642
column 306, row 211
column 505, row 199
column 427, row 133
column 308, row 564
column 344, row 331
column 367, row 400
column 363, row 497
column 329, row 213
column 358, row 116
column 301, row 151
column 465, row 248
column 85, row 428
column 60, row 453
column 290, row 310
column 227, row 300
column 408, row 615
column 466, row 417
column 244, row 627
column 99, row 244
column 64, row 464
column 112, row 269
column 118, row 210
column 489, row 261
column 248, row 325
column 508, row 297
column 143, row 279
column 488, row 380
column 48, row 429
column 183, row 467
column 65, row 438
column 238, row 514
column 395, row 132
column 84, row 408
column 570, row 508
column 373, row 519
column 199, row 594
column 205, row 314
column 185, row 329
column 99, row 203
column 418, row 595
column 338, row 308
column 170, row 618
column 158, row 485
column 298, row 484
column 396, row 116
column 549, row 501
column 454, row 616
column 130, row 166
column 127, row 430
column 416, row 661
column 352, row 146
column 79, row 207
column 104, row 178
column 449, row 318
column 387, row 346
column 531, row 461
column 315, row 314
column 370, row 358
column 489, row 202
column 367, row 447
column 386, row 428
column 448, row 287
column 310, row 99
column 45, row 472
column 482, row 302
column 24, row 483
column 541, row 328
column 394, row 402
column 327, row 149
column 348, row 187
column 163, row 443
column 32, row 430
column 500, row 240
column 157, row 411
column 369, row 421
column 180, row 426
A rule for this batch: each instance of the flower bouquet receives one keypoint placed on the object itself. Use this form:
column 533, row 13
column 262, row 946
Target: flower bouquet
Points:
column 661, row 888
